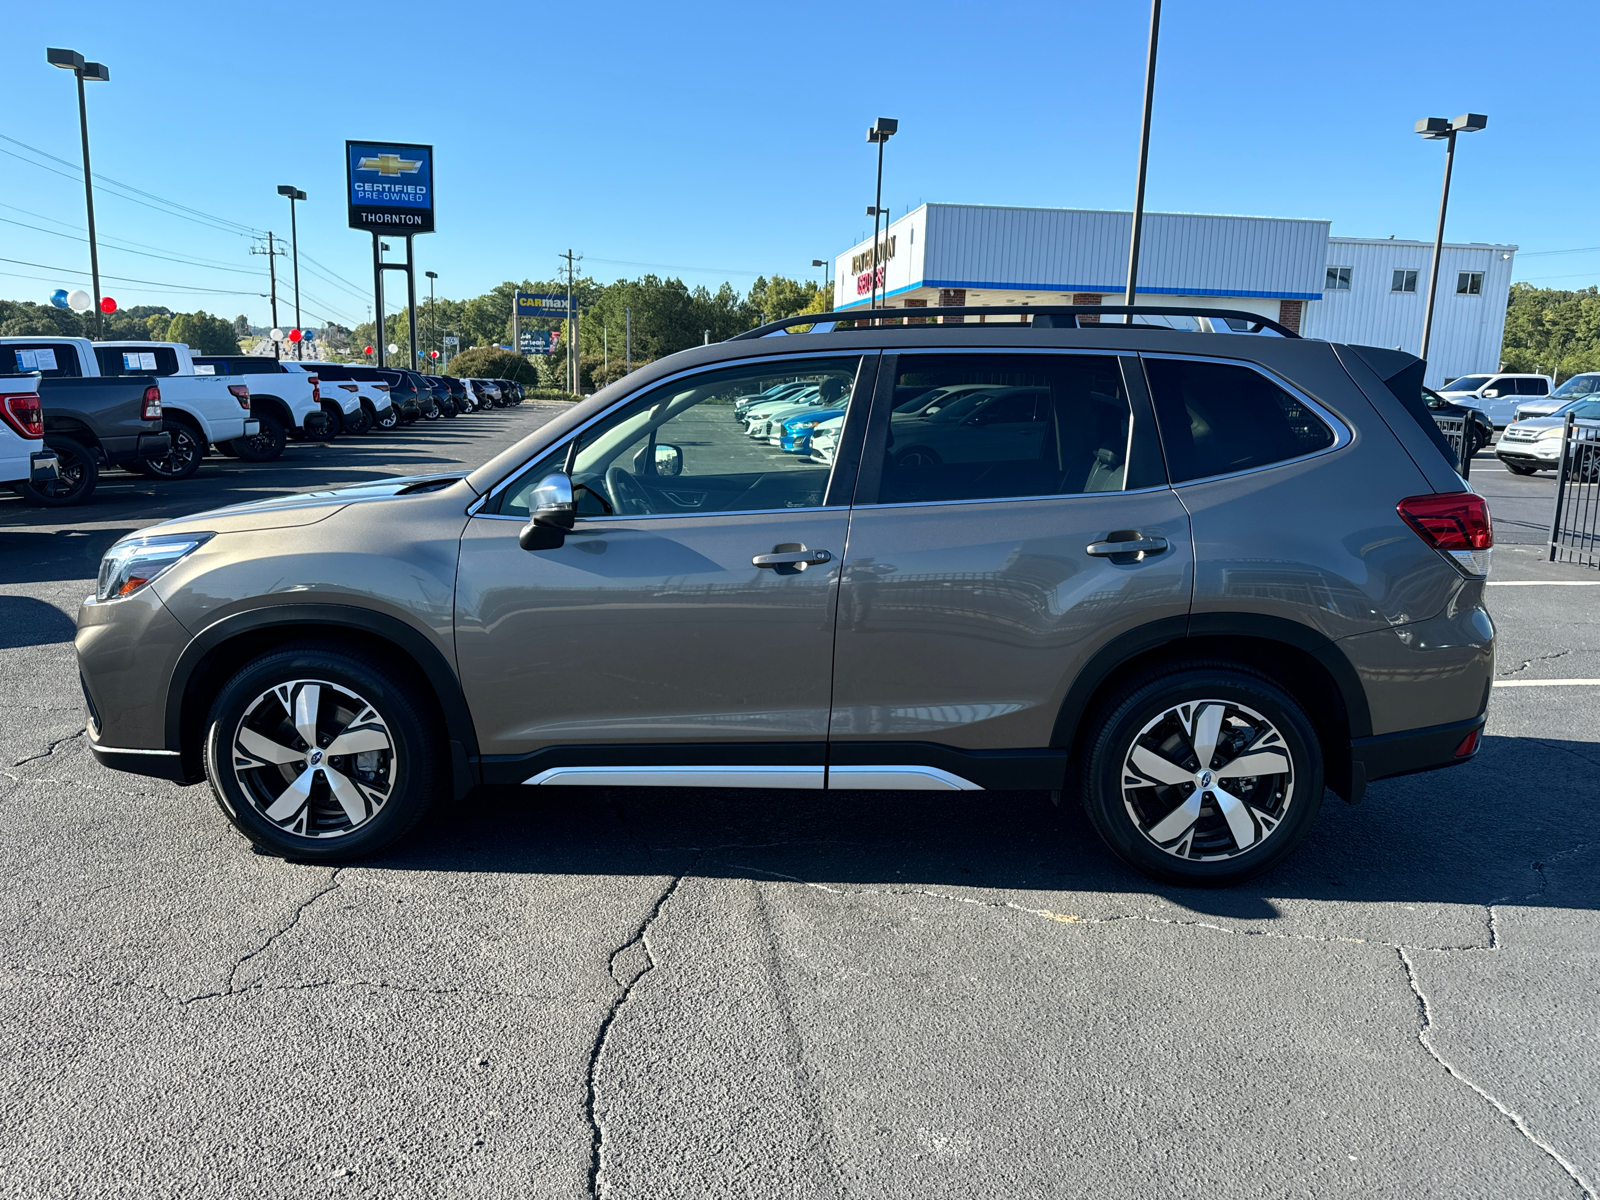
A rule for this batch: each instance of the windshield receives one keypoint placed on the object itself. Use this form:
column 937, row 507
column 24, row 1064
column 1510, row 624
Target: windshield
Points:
column 1579, row 385
column 1584, row 410
column 1467, row 383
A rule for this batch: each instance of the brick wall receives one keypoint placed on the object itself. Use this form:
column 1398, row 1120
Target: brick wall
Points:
column 1088, row 298
column 1289, row 313
column 916, row 320
column 952, row 298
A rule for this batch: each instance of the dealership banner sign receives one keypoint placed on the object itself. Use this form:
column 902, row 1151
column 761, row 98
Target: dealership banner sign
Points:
column 390, row 186
column 538, row 304
column 540, row 341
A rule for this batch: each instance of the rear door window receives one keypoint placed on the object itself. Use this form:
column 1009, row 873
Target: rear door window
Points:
column 1220, row 418
column 993, row 426
column 50, row 361
column 121, row 360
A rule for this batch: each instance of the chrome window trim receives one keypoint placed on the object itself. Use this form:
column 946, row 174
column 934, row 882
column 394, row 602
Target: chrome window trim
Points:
column 1343, row 435
column 738, row 512
column 502, row 484
column 916, row 351
column 1144, row 491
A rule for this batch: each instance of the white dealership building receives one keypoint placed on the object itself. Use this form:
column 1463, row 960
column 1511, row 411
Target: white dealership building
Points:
column 1365, row 290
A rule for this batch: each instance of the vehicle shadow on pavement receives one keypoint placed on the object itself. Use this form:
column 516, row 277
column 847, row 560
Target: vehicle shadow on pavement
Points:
column 1472, row 835
column 50, row 557
column 25, row 621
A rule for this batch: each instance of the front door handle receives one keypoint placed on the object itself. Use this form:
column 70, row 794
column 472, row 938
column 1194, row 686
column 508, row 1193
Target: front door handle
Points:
column 794, row 555
column 1128, row 543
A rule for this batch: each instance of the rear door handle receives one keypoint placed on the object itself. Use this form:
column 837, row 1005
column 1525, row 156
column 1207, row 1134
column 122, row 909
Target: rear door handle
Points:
column 1137, row 545
column 792, row 554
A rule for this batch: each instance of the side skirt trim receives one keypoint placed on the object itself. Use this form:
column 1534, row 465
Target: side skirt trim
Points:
column 898, row 779
column 811, row 778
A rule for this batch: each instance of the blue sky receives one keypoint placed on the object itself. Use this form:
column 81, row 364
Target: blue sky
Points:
column 721, row 141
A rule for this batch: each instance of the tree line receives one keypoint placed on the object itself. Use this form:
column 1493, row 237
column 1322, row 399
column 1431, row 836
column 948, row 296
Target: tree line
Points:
column 1552, row 332
column 145, row 322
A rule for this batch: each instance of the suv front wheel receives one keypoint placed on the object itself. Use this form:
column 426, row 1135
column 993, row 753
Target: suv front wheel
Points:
column 320, row 755
column 1204, row 776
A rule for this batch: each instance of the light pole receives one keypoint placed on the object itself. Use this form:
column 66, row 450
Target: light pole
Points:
column 1144, row 157
column 71, row 60
column 1438, row 129
column 882, row 130
column 827, row 277
column 294, row 193
column 432, row 275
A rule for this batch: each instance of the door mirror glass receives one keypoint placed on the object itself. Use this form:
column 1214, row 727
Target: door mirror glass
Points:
column 669, row 460
column 1491, row 393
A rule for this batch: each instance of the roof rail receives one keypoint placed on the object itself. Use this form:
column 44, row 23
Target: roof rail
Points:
column 1060, row 316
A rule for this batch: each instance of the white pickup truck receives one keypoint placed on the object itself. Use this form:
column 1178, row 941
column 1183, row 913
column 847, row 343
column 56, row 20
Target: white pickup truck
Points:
column 288, row 402
column 196, row 411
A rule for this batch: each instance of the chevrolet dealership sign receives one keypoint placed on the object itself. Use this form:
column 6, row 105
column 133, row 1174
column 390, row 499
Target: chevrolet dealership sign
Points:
column 390, row 186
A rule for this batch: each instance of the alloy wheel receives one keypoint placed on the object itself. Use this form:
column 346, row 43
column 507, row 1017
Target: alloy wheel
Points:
column 314, row 758
column 1208, row 780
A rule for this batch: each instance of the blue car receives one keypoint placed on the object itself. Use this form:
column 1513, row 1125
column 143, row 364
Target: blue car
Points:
column 796, row 436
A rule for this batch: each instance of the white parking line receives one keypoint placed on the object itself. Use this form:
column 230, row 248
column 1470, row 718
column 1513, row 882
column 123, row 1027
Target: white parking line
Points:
column 1544, row 583
column 1500, row 683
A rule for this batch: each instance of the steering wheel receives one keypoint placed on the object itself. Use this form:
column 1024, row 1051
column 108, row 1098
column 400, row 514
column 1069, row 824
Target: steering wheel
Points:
column 627, row 495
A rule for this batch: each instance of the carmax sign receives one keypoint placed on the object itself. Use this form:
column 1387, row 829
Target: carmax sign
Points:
column 390, row 186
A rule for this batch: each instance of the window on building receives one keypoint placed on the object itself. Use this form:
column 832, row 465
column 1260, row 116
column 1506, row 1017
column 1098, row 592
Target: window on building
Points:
column 1469, row 283
column 1405, row 280
column 1338, row 280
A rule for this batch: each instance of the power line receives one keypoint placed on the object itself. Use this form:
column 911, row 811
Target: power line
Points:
column 171, row 207
column 353, row 286
column 182, row 287
column 198, row 261
column 107, row 244
column 622, row 262
column 1542, row 253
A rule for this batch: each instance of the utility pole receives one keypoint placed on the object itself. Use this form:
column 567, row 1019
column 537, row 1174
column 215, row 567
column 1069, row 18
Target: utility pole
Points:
column 272, row 274
column 628, row 340
column 71, row 60
column 572, row 330
column 1144, row 156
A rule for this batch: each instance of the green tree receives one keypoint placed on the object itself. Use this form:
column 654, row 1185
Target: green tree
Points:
column 490, row 362
column 1552, row 331
column 204, row 333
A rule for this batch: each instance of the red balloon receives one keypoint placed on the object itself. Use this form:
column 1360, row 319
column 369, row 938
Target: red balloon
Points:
column 369, row 349
column 107, row 304
column 433, row 354
column 295, row 335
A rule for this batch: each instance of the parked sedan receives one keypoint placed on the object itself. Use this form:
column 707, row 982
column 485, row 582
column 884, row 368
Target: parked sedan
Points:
column 795, row 432
column 1535, row 444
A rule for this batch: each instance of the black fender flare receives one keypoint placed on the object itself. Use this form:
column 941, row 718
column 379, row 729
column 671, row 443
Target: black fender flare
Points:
column 440, row 675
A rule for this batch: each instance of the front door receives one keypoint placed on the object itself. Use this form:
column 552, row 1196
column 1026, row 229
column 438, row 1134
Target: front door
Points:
column 683, row 634
column 977, row 586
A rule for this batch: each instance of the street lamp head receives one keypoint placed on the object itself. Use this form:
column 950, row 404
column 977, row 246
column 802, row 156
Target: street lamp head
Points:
column 96, row 73
column 69, row 60
column 883, row 129
column 1433, row 128
column 431, row 274
column 1469, row 122
column 817, row 262
column 285, row 189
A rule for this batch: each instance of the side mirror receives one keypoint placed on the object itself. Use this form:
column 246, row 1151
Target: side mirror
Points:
column 551, row 512
column 669, row 460
column 1491, row 393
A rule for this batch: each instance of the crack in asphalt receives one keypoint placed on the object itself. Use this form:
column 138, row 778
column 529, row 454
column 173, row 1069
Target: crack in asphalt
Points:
column 51, row 748
column 332, row 885
column 1425, row 1015
column 638, row 942
column 1530, row 661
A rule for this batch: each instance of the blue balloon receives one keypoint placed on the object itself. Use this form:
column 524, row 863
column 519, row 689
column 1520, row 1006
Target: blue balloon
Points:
column 59, row 297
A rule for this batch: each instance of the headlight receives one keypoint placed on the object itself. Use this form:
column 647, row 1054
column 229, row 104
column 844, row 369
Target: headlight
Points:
column 1550, row 433
column 128, row 566
column 804, row 425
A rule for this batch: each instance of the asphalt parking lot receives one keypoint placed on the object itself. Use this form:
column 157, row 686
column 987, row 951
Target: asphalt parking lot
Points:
column 657, row 993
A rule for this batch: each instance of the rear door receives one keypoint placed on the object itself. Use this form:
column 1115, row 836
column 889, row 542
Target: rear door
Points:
column 976, row 587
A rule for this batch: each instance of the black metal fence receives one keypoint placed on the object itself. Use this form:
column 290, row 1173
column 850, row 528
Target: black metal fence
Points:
column 1575, row 522
column 1455, row 432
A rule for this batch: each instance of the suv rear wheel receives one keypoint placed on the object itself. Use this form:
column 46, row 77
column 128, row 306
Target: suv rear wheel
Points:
column 266, row 445
column 183, row 460
column 1206, row 775
column 320, row 755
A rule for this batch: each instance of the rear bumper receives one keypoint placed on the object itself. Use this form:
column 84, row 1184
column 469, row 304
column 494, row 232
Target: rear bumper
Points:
column 1415, row 750
column 136, row 446
column 44, row 466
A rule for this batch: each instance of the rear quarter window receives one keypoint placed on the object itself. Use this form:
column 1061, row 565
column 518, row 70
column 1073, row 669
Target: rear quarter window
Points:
column 118, row 360
column 1221, row 418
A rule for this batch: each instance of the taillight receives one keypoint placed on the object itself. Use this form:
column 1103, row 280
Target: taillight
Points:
column 152, row 403
column 1456, row 523
column 316, row 392
column 241, row 393
column 22, row 412
column 382, row 387
column 351, row 387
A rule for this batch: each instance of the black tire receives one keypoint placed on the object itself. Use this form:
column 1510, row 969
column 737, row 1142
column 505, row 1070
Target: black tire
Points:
column 914, row 458
column 396, row 784
column 335, row 417
column 1518, row 469
column 360, row 421
column 266, row 445
column 430, row 410
column 1177, row 831
column 183, row 460
column 447, row 409
column 389, row 418
column 79, row 475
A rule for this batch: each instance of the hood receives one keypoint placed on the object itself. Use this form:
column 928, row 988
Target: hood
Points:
column 307, row 508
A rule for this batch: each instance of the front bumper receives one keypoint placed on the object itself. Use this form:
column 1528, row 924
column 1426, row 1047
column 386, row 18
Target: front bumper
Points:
column 127, row 650
column 1544, row 455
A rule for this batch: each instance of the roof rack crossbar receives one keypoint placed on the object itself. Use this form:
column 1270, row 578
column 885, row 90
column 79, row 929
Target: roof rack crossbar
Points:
column 1062, row 316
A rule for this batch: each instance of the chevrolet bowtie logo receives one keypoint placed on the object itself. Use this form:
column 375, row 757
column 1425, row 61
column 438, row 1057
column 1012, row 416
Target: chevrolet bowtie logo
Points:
column 389, row 164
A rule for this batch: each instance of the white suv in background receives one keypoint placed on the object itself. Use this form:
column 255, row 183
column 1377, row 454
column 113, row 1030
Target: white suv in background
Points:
column 1497, row 396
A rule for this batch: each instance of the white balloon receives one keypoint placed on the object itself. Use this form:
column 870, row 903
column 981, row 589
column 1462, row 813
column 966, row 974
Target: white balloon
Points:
column 276, row 335
column 393, row 349
column 80, row 301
